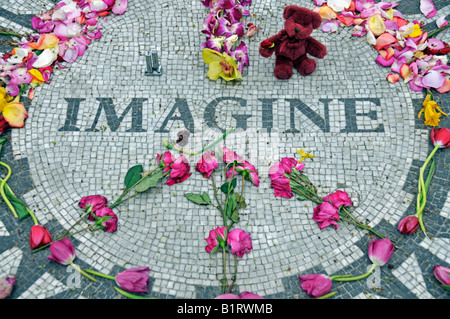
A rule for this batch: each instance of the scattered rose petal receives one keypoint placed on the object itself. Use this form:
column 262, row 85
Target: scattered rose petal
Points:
column 393, row 77
column 330, row 26
column 384, row 40
column 339, row 5
column 441, row 22
column 433, row 79
column 327, row 13
column 427, row 8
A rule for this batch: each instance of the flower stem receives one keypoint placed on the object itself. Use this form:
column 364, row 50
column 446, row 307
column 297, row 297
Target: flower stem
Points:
column 353, row 278
column 131, row 296
column 234, row 275
column 82, row 272
column 327, row 295
column 362, row 226
column 10, row 33
column 219, row 206
column 224, row 280
column 437, row 30
column 422, row 196
column 76, row 223
column 203, row 149
column 2, row 188
column 118, row 201
column 93, row 272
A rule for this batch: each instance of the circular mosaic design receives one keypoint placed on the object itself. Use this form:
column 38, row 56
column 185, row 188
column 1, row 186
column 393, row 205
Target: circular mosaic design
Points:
column 104, row 114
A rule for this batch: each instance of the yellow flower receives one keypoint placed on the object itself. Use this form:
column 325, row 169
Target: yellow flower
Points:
column 14, row 112
column 432, row 117
column 304, row 155
column 220, row 65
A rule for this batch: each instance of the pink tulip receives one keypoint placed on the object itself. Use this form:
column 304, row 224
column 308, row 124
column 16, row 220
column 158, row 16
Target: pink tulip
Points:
column 207, row 164
column 380, row 250
column 179, row 171
column 408, row 225
column 134, row 279
column 326, row 214
column 94, row 201
column 39, row 236
column 6, row 286
column 338, row 199
column 242, row 295
column 62, row 251
column 217, row 237
column 240, row 242
column 442, row 274
column 440, row 137
column 315, row 285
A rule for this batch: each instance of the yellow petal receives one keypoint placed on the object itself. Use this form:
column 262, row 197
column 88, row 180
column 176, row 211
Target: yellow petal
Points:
column 15, row 114
column 327, row 13
column 215, row 70
column 36, row 75
column 212, row 56
column 376, row 25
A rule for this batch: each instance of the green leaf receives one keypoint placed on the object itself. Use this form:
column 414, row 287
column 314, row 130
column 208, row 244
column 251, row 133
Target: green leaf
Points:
column 231, row 205
column 302, row 197
column 149, row 182
column 241, row 201
column 207, row 198
column 429, row 176
column 224, row 187
column 198, row 199
column 133, row 175
column 235, row 217
column 19, row 206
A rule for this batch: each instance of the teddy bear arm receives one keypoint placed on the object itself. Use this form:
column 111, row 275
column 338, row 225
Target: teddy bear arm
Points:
column 266, row 53
column 316, row 49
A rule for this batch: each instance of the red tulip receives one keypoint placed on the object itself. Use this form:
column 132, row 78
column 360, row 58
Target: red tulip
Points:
column 440, row 137
column 39, row 236
column 408, row 225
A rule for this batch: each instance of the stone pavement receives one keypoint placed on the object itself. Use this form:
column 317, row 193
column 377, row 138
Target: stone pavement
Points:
column 103, row 115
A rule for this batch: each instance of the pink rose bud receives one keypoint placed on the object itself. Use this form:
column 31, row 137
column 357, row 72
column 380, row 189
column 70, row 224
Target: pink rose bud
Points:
column 165, row 160
column 207, row 164
column 440, row 137
column 408, row 225
column 240, row 242
column 315, row 285
column 39, row 236
column 442, row 274
column 326, row 214
column 109, row 225
column 248, row 170
column 6, row 286
column 94, row 201
column 62, row 251
column 134, row 279
column 229, row 156
column 338, row 199
column 380, row 250
column 179, row 171
column 217, row 237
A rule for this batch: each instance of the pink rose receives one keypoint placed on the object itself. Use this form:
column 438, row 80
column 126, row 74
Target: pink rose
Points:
column 229, row 156
column 207, row 164
column 109, row 225
column 281, row 186
column 217, row 237
column 165, row 160
column 179, row 171
column 94, row 201
column 338, row 199
column 240, row 242
column 326, row 214
column 248, row 170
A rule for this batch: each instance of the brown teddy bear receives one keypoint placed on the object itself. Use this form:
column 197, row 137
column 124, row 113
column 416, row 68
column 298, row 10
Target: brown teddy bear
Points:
column 292, row 44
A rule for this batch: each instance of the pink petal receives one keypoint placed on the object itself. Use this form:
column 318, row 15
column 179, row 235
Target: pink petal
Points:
column 445, row 88
column 381, row 61
column 384, row 40
column 120, row 6
column 392, row 78
column 441, row 22
column 433, row 79
column 427, row 8
column 330, row 26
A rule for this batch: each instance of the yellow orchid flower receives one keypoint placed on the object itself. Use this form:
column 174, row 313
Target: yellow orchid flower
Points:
column 220, row 65
column 304, row 155
column 432, row 117
column 14, row 112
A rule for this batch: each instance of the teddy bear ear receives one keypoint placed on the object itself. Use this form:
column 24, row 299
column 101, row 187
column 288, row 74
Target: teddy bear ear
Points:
column 289, row 11
column 316, row 19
